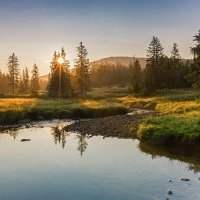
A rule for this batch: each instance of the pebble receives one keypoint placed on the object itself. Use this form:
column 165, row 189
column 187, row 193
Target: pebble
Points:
column 185, row 179
column 27, row 126
column 170, row 192
column 25, row 140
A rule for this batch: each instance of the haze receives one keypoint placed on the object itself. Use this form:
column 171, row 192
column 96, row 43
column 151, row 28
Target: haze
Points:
column 35, row 29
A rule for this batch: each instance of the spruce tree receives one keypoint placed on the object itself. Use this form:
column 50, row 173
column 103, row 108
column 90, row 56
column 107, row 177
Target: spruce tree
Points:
column 26, row 80
column 82, row 70
column 135, row 76
column 175, row 55
column 194, row 74
column 35, row 86
column 4, row 83
column 152, row 73
column 59, row 79
column 196, row 49
column 176, row 76
column 21, row 83
column 13, row 70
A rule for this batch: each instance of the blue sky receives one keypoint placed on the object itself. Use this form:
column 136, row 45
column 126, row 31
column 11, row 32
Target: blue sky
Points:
column 35, row 29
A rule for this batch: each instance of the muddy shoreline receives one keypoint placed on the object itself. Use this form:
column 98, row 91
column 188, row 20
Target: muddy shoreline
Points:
column 80, row 124
column 121, row 126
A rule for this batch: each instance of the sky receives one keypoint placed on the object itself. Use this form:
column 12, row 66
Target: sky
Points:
column 34, row 29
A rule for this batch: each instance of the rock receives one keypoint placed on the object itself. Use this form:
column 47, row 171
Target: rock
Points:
column 170, row 192
column 27, row 126
column 185, row 179
column 170, row 181
column 25, row 140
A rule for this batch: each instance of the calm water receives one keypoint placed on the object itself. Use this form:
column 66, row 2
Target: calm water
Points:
column 57, row 165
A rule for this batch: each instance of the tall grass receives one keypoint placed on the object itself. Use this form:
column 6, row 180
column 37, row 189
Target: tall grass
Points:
column 18, row 109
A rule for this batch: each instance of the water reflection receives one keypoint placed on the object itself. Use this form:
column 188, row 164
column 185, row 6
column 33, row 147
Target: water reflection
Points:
column 191, row 156
column 13, row 133
column 82, row 143
column 186, row 154
column 60, row 134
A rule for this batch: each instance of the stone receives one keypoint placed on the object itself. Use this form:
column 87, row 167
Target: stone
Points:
column 25, row 140
column 185, row 179
column 170, row 192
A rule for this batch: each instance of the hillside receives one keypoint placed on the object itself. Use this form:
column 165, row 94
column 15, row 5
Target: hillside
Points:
column 123, row 60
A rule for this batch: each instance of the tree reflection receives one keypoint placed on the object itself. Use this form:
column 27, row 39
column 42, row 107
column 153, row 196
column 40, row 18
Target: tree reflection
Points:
column 186, row 154
column 59, row 135
column 13, row 133
column 82, row 143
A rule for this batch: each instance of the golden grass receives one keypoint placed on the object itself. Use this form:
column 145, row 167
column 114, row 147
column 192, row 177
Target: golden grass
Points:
column 16, row 103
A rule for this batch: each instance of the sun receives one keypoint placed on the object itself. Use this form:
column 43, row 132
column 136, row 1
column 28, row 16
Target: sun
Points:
column 60, row 60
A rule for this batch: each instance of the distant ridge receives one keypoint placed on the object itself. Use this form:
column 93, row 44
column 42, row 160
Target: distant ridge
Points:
column 123, row 60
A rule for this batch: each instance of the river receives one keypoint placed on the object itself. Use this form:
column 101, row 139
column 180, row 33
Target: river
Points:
column 44, row 162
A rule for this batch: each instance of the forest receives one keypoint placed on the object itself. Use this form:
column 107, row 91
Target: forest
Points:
column 64, row 81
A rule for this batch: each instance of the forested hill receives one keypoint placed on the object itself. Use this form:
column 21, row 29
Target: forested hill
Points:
column 122, row 60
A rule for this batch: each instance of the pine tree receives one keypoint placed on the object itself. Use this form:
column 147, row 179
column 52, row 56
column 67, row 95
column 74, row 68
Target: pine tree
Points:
column 194, row 74
column 82, row 70
column 59, row 80
column 26, row 80
column 175, row 55
column 135, row 76
column 196, row 49
column 13, row 69
column 35, row 86
column 21, row 83
column 152, row 73
column 154, row 52
column 4, row 83
column 176, row 77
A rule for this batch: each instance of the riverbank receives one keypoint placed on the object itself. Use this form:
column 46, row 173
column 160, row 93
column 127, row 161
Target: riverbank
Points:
column 121, row 126
column 177, row 123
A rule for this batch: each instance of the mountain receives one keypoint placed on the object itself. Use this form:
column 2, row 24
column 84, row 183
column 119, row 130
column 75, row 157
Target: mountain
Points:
column 123, row 60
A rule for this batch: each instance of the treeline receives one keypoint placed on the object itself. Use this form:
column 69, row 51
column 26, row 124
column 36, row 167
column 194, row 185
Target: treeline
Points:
column 62, row 82
column 16, row 81
column 161, row 72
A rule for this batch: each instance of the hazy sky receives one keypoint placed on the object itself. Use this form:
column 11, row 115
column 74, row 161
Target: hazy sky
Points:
column 34, row 29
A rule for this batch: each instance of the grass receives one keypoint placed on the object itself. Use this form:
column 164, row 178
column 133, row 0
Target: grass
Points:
column 172, row 129
column 178, row 120
column 14, row 110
